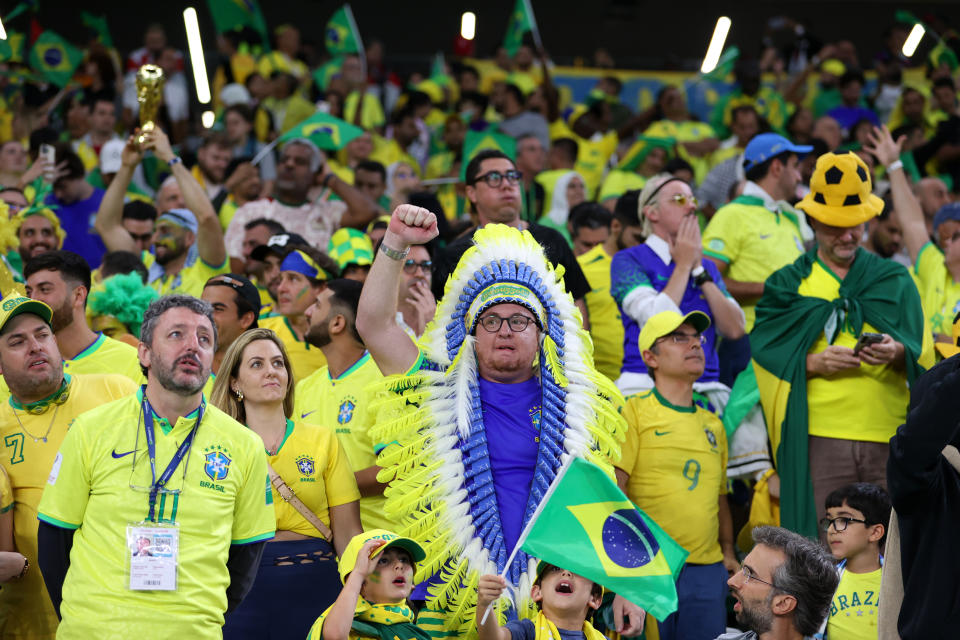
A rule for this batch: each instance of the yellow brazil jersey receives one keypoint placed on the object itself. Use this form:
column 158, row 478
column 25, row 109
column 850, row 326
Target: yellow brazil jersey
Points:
column 548, row 180
column 190, row 279
column 312, row 463
column 855, row 607
column 6, row 491
column 386, row 152
column 25, row 609
column 100, row 485
column 939, row 292
column 304, row 357
column 619, row 182
column 676, row 458
column 343, row 404
column 688, row 131
column 866, row 403
column 592, row 159
column 606, row 328
column 753, row 242
column 372, row 115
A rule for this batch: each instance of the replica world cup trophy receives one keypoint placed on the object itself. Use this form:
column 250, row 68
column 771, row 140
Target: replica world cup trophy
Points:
column 149, row 93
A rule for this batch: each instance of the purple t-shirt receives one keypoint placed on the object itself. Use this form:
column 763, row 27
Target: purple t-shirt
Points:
column 640, row 266
column 77, row 219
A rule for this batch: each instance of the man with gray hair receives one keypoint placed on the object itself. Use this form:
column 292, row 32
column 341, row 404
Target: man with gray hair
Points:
column 784, row 587
column 299, row 169
column 163, row 465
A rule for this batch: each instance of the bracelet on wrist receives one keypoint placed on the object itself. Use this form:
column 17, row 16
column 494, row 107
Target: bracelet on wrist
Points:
column 893, row 166
column 393, row 254
column 326, row 180
column 174, row 160
column 26, row 565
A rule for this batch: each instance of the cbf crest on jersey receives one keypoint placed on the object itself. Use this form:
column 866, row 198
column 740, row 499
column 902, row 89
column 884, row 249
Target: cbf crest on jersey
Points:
column 216, row 464
column 345, row 414
column 305, row 465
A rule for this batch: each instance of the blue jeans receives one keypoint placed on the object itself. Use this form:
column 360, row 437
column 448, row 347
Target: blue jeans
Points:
column 702, row 612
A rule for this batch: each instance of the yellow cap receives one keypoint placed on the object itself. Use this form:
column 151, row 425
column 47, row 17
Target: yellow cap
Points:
column 667, row 322
column 17, row 304
column 349, row 558
column 841, row 192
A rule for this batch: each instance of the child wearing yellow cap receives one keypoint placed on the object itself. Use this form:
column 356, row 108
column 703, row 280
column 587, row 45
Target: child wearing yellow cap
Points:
column 377, row 570
column 565, row 600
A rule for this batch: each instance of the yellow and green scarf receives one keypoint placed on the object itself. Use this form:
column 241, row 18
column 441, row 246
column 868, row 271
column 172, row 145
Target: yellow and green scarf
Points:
column 382, row 621
column 546, row 630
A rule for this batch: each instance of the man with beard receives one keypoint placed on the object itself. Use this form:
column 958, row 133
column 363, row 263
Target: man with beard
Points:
column 38, row 231
column 784, row 587
column 43, row 403
column 606, row 328
column 61, row 280
column 297, row 172
column 213, row 156
column 187, row 239
column 339, row 393
column 164, row 464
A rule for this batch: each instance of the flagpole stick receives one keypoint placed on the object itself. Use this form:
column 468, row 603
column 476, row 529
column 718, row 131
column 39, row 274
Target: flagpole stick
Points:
column 526, row 529
column 533, row 25
column 363, row 50
column 263, row 152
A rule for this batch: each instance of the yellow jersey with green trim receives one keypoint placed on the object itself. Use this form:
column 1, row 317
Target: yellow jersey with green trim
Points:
column 190, row 279
column 939, row 292
column 344, row 404
column 753, row 242
column 606, row 327
column 312, row 463
column 25, row 608
column 6, row 491
column 304, row 357
column 619, row 182
column 100, row 484
column 855, row 607
column 865, row 403
column 676, row 458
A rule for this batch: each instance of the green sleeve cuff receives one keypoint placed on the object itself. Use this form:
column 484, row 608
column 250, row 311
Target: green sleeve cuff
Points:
column 261, row 538
column 6, row 508
column 57, row 523
column 416, row 365
column 718, row 256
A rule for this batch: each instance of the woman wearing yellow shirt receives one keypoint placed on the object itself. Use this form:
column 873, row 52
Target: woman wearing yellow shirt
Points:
column 298, row 576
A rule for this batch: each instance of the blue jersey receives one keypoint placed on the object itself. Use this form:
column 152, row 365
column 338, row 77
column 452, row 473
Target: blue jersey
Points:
column 640, row 266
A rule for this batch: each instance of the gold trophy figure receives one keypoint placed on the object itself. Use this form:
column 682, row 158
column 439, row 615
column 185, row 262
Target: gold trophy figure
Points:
column 149, row 93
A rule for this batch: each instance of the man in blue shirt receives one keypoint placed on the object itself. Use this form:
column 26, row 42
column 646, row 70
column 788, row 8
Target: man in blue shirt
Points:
column 76, row 201
column 668, row 273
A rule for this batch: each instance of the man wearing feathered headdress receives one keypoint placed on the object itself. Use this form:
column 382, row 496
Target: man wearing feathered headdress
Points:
column 483, row 411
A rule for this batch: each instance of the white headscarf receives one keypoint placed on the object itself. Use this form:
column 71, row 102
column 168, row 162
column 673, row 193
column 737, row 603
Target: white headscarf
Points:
column 559, row 208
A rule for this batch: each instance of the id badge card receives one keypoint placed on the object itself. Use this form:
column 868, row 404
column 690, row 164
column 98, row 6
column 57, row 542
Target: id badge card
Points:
column 153, row 551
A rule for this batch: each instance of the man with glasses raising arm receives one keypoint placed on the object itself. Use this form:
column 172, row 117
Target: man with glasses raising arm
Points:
column 673, row 466
column 668, row 273
column 493, row 188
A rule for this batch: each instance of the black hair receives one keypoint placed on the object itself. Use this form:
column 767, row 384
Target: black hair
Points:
column 743, row 108
column 242, row 110
column 905, row 130
column 760, row 171
column 373, row 167
column 118, row 262
column 475, row 97
column 851, row 75
column 567, row 146
column 44, row 135
column 74, row 168
column 402, row 114
column 473, row 167
column 626, row 209
column 275, row 227
column 92, row 98
column 139, row 210
column 590, row 215
column 346, row 298
column 234, row 164
column 514, row 90
column 678, row 164
column 869, row 499
column 944, row 81
column 468, row 69
column 71, row 267
column 615, row 81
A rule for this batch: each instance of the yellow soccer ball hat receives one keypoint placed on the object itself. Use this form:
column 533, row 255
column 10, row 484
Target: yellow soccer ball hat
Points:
column 841, row 192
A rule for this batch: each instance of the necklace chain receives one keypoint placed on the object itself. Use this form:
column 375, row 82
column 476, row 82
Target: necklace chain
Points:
column 49, row 426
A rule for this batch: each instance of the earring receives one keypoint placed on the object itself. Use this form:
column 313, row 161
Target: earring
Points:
column 239, row 395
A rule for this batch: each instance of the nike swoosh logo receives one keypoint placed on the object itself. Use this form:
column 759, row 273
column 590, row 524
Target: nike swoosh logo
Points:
column 120, row 455
column 660, row 433
column 764, row 237
column 304, row 415
column 661, row 278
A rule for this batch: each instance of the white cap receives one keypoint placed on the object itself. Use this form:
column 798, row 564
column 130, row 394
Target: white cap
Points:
column 234, row 93
column 110, row 156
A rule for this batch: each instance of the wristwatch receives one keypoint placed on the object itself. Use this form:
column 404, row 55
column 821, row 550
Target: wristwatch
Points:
column 393, row 254
column 174, row 160
column 700, row 275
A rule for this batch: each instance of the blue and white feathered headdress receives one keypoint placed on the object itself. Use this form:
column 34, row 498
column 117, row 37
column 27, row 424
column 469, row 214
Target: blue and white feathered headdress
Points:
column 441, row 487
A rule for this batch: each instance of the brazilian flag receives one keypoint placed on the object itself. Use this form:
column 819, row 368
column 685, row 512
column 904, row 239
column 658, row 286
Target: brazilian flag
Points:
column 477, row 141
column 325, row 72
column 229, row 15
column 521, row 21
column 325, row 131
column 341, row 35
column 875, row 291
column 97, row 24
column 11, row 49
column 54, row 58
column 640, row 149
column 588, row 526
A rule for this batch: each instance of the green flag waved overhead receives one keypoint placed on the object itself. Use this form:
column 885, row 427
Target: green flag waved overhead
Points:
column 237, row 14
column 521, row 21
column 342, row 35
column 725, row 65
column 325, row 131
column 98, row 24
column 325, row 72
column 11, row 49
column 54, row 58
column 477, row 141
column 588, row 526
column 27, row 5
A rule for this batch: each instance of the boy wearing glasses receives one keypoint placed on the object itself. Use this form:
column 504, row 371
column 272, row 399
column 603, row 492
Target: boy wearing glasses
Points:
column 673, row 466
column 856, row 530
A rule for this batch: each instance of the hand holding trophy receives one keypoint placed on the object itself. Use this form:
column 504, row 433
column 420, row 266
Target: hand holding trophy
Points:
column 149, row 94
